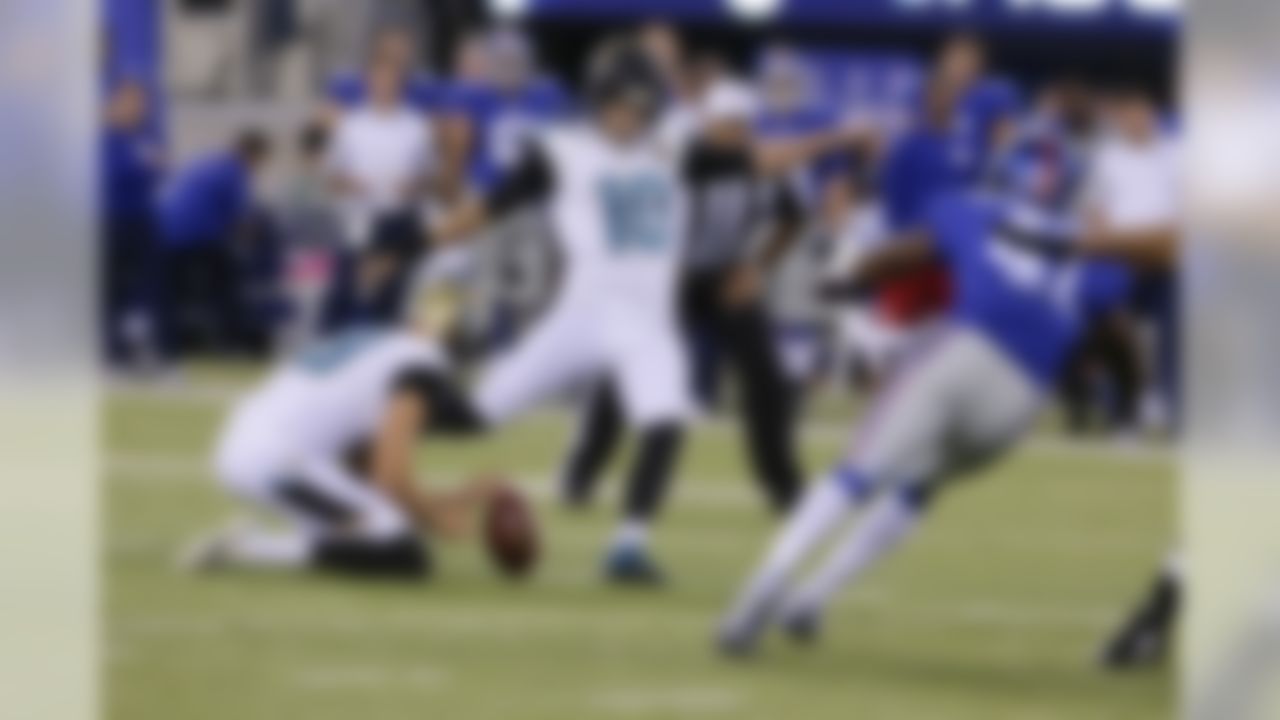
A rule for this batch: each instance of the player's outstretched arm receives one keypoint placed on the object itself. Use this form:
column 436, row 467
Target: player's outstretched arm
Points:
column 445, row 515
column 529, row 182
column 780, row 157
column 1155, row 248
column 786, row 225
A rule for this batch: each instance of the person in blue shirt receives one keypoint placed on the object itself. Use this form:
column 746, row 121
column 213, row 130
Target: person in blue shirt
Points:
column 395, row 46
column 203, row 211
column 130, row 169
column 917, row 169
column 917, row 166
column 504, row 109
column 984, row 109
column 965, row 397
column 792, row 109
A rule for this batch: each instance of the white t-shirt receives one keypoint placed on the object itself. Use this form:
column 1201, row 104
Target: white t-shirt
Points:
column 332, row 394
column 382, row 152
column 1136, row 186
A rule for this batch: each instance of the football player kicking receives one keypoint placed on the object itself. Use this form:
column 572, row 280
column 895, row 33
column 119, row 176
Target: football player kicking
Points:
column 961, row 400
column 327, row 441
column 614, row 197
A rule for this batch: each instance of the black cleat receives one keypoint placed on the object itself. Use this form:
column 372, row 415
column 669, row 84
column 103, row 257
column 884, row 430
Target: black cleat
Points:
column 803, row 626
column 1135, row 647
column 1144, row 640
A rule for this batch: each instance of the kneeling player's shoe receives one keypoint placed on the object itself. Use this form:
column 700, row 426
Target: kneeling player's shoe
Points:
column 632, row 566
column 802, row 625
column 212, row 552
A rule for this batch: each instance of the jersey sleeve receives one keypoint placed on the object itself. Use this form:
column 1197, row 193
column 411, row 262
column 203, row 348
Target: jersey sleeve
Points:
column 942, row 214
column 529, row 181
column 449, row 410
column 703, row 162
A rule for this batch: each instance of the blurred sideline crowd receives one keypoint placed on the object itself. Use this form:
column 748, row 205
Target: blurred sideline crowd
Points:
column 198, row 261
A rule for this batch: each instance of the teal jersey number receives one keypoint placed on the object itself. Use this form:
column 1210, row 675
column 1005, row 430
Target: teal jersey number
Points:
column 326, row 356
column 638, row 211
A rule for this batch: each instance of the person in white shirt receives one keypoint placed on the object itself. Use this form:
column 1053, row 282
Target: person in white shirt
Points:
column 856, row 224
column 1134, row 183
column 380, row 156
column 615, row 198
column 1135, row 188
column 380, row 162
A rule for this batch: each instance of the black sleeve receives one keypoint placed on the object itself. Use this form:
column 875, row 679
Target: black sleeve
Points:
column 449, row 410
column 786, row 210
column 531, row 180
column 704, row 163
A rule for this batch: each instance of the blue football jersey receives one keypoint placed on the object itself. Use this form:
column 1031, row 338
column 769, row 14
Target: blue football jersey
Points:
column 978, row 114
column 916, row 171
column 1030, row 305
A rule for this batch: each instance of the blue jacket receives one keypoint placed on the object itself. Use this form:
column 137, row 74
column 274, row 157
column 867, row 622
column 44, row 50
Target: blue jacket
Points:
column 205, row 200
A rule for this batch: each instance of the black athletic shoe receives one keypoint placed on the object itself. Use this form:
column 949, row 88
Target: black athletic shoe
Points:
column 804, row 627
column 1144, row 640
column 574, row 500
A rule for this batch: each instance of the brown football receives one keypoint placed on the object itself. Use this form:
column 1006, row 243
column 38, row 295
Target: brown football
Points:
column 511, row 532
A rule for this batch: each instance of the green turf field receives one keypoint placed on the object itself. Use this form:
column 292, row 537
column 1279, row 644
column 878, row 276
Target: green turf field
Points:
column 992, row 613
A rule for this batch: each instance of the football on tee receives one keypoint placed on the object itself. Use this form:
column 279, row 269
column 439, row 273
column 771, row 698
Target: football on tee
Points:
column 511, row 532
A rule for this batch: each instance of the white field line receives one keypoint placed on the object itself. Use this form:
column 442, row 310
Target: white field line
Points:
column 171, row 471
column 667, row 701
column 369, row 677
column 824, row 431
column 513, row 621
column 176, row 469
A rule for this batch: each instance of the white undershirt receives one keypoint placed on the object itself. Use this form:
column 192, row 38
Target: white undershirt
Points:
column 1135, row 186
column 382, row 151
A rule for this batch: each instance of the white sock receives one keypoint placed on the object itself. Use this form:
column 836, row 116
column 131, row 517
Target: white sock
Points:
column 270, row 550
column 631, row 535
column 886, row 523
column 823, row 508
column 1174, row 564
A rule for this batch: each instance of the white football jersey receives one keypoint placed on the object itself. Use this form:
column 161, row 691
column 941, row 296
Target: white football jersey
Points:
column 619, row 214
column 332, row 395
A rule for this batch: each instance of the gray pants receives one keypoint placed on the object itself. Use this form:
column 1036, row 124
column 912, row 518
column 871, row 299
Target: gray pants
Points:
column 956, row 403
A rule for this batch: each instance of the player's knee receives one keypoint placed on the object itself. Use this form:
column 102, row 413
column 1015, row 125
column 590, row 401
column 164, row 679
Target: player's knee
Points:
column 237, row 470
